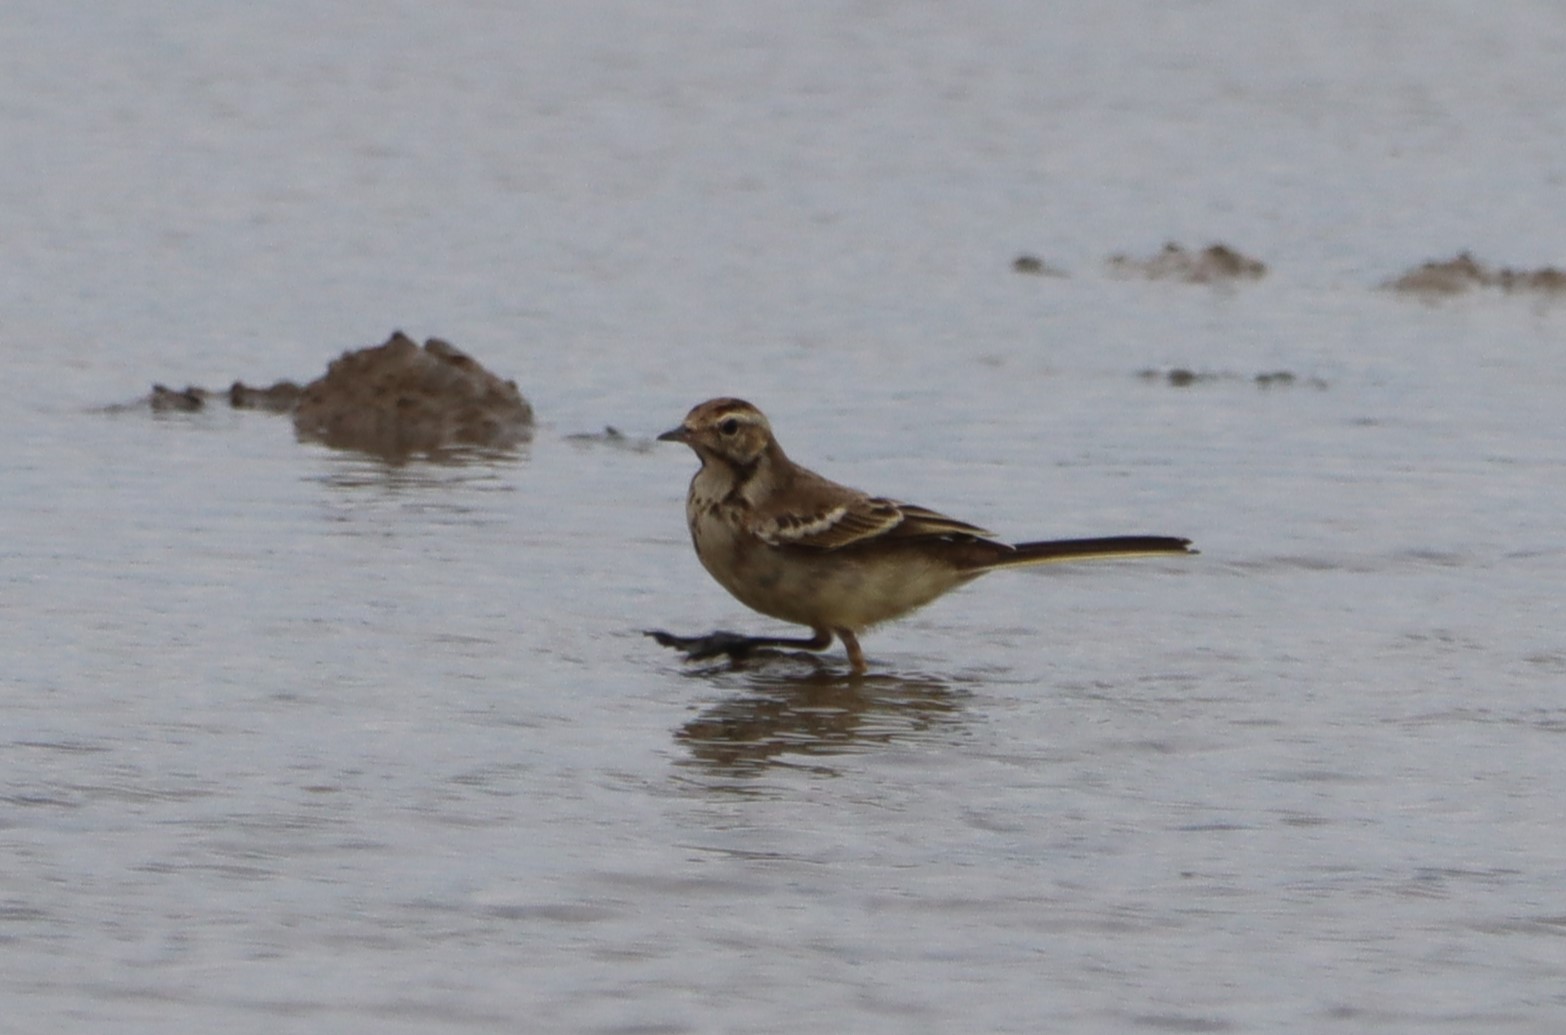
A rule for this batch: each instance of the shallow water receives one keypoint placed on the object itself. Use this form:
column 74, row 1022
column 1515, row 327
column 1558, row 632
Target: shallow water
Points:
column 300, row 741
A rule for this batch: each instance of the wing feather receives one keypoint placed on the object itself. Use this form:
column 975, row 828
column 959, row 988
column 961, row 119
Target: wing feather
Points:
column 861, row 519
column 922, row 521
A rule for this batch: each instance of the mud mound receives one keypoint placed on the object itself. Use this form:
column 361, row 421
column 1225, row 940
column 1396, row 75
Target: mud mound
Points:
column 1217, row 263
column 1463, row 273
column 397, row 399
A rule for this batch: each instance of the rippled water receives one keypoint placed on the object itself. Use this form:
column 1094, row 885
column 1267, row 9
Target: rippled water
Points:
column 300, row 741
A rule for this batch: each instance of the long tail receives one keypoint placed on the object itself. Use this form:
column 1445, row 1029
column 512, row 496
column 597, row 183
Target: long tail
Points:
column 1056, row 551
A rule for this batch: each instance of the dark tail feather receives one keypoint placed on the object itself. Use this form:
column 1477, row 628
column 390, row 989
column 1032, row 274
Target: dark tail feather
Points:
column 1057, row 551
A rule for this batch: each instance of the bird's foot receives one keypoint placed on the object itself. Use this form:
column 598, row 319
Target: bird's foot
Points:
column 721, row 643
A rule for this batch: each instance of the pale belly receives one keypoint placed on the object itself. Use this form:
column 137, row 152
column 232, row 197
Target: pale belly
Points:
column 841, row 589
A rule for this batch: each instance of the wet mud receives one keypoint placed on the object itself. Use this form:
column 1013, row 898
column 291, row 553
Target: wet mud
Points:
column 1463, row 273
column 1184, row 377
column 395, row 399
column 1217, row 263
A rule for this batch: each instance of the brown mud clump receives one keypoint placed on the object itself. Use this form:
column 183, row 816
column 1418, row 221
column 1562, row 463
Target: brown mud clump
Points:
column 280, row 397
column 1215, row 264
column 1463, row 273
column 393, row 400
column 172, row 400
column 397, row 399
column 1035, row 266
column 1184, row 377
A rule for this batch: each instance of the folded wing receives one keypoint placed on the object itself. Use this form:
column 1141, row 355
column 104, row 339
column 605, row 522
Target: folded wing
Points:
column 859, row 520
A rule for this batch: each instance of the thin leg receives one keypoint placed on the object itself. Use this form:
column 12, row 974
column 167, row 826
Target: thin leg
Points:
column 856, row 656
column 715, row 644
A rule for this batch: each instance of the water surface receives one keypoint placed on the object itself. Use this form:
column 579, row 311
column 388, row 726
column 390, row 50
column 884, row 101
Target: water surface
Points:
column 301, row 741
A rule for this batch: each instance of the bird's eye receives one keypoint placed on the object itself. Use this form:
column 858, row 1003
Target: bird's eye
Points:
column 729, row 426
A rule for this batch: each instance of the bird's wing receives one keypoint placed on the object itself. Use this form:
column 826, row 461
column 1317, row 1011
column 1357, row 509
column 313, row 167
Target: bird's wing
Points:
column 922, row 521
column 827, row 524
column 847, row 520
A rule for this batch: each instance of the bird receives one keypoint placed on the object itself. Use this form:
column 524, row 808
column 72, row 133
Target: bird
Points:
column 796, row 546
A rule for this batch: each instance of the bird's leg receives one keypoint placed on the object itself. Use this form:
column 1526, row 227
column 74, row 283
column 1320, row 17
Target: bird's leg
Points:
column 856, row 655
column 734, row 645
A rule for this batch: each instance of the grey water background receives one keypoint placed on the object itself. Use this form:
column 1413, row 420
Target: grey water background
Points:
column 295, row 740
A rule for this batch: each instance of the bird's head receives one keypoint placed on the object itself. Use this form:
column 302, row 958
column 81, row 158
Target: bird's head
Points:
column 730, row 430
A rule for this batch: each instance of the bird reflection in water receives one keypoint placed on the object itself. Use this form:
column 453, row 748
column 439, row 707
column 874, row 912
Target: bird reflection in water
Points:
column 795, row 707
